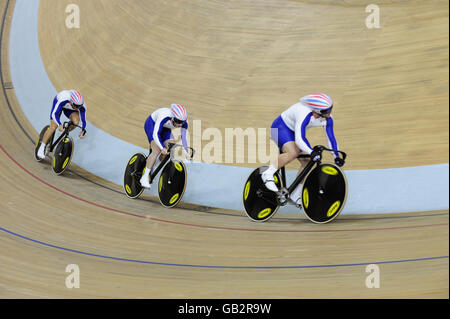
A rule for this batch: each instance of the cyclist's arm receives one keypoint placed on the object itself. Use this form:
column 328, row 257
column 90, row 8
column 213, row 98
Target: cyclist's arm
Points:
column 157, row 130
column 183, row 136
column 300, row 134
column 57, row 111
column 83, row 117
column 332, row 143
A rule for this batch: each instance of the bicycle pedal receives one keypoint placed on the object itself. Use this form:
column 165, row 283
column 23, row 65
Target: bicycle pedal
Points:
column 283, row 196
column 283, row 192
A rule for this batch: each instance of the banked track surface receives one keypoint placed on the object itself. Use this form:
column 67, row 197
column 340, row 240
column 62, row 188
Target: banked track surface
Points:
column 398, row 187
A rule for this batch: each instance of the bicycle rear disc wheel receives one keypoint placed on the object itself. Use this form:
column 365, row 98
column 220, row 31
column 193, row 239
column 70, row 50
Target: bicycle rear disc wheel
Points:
column 133, row 173
column 39, row 142
column 260, row 204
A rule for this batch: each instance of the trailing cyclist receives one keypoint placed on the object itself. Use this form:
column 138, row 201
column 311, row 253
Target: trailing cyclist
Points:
column 71, row 103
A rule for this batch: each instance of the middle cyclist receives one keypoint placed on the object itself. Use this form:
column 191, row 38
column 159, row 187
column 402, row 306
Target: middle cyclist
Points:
column 158, row 128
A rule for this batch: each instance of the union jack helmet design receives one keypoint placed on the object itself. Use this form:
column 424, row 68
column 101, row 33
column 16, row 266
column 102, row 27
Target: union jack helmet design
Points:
column 178, row 112
column 318, row 102
column 76, row 97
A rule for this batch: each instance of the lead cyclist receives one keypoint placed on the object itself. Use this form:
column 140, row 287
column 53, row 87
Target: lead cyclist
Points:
column 289, row 132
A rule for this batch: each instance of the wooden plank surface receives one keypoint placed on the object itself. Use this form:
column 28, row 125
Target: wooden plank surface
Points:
column 239, row 64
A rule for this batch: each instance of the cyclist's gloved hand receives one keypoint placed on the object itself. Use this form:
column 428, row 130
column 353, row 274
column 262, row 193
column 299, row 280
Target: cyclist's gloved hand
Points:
column 187, row 155
column 316, row 154
column 339, row 161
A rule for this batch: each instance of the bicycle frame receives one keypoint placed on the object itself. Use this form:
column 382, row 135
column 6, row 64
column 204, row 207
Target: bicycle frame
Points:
column 170, row 149
column 282, row 196
column 300, row 177
column 64, row 134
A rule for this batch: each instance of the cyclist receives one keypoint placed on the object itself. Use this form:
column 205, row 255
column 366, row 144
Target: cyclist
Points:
column 158, row 127
column 289, row 132
column 71, row 103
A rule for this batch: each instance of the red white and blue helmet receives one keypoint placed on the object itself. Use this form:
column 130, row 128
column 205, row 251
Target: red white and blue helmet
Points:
column 178, row 112
column 318, row 102
column 76, row 98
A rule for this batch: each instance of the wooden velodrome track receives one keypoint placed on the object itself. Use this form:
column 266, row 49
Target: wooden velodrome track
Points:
column 136, row 249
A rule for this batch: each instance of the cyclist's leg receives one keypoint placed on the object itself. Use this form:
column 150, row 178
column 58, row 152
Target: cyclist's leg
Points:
column 167, row 138
column 47, row 135
column 155, row 151
column 296, row 193
column 303, row 162
column 290, row 151
column 151, row 159
column 49, row 132
column 74, row 116
column 285, row 139
column 53, row 125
